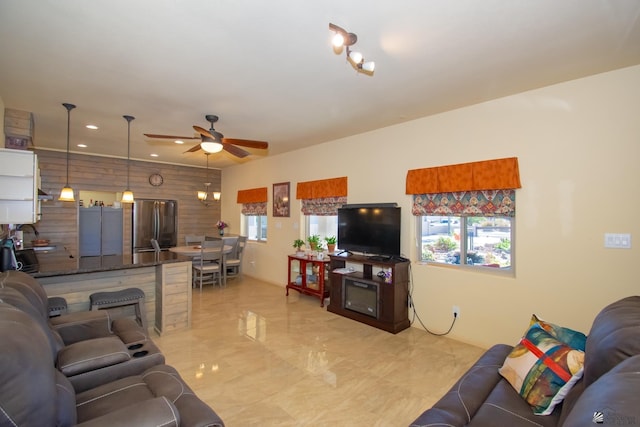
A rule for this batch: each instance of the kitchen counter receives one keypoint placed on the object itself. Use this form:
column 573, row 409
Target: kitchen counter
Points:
column 59, row 263
column 164, row 278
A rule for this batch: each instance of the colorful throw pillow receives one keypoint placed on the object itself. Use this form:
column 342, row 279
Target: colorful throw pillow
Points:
column 542, row 369
column 573, row 339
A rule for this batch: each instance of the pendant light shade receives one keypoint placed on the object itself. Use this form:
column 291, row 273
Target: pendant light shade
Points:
column 66, row 195
column 127, row 195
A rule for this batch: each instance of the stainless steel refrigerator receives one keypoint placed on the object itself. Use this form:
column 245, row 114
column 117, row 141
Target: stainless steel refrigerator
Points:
column 154, row 219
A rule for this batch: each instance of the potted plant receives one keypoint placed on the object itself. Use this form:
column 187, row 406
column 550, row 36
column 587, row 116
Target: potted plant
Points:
column 314, row 242
column 298, row 244
column 331, row 243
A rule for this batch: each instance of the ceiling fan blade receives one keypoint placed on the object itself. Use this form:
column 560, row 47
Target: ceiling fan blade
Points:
column 246, row 143
column 232, row 149
column 153, row 135
column 203, row 132
column 194, row 149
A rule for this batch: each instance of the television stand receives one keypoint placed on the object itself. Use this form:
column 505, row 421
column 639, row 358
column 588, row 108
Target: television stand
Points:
column 392, row 313
column 379, row 258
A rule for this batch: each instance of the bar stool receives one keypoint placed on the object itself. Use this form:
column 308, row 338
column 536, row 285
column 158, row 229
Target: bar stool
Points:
column 121, row 298
column 57, row 306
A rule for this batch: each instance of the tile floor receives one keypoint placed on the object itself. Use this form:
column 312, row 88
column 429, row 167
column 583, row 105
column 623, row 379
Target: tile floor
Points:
column 260, row 358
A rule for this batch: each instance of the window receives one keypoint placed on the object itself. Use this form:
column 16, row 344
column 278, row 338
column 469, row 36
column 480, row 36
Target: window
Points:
column 466, row 240
column 255, row 227
column 465, row 212
column 323, row 226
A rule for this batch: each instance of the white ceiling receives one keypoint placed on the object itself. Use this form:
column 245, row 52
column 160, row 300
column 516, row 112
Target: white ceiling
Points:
column 268, row 70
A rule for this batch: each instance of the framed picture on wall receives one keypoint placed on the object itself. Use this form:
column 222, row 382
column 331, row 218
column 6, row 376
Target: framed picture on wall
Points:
column 281, row 199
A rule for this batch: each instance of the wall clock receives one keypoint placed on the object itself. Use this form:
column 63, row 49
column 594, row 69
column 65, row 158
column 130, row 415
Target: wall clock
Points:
column 156, row 179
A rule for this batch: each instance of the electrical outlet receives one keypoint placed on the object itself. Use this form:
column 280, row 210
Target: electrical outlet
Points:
column 456, row 311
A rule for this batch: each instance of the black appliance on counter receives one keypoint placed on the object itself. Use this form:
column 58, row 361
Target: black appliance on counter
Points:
column 12, row 259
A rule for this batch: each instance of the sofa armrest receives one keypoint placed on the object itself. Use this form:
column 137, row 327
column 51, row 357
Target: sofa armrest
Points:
column 82, row 325
column 154, row 412
column 481, row 397
column 464, row 399
column 129, row 331
column 90, row 355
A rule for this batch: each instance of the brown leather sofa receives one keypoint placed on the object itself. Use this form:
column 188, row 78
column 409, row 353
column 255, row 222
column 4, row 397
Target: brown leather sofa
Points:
column 90, row 348
column 608, row 393
column 92, row 377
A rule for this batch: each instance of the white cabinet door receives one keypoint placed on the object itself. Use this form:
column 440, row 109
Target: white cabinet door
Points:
column 18, row 187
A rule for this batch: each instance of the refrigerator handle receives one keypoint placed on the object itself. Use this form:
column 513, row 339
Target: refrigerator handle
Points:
column 156, row 212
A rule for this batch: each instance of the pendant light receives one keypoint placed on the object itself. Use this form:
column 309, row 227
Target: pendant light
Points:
column 66, row 195
column 127, row 196
column 203, row 196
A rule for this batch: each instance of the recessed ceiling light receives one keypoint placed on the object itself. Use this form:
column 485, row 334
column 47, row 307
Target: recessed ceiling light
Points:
column 177, row 141
column 82, row 145
column 92, row 127
column 154, row 155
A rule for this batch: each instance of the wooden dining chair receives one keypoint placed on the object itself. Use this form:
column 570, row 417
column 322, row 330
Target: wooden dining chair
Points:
column 233, row 261
column 210, row 265
column 192, row 239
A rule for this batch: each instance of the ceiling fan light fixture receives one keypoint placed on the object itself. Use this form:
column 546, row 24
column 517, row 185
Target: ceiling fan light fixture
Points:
column 211, row 147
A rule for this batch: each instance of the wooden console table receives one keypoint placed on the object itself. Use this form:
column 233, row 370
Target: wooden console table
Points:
column 308, row 276
column 393, row 295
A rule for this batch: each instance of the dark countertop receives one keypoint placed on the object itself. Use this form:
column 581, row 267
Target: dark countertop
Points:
column 59, row 263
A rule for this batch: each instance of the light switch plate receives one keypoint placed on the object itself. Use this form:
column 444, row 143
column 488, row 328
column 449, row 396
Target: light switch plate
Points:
column 617, row 240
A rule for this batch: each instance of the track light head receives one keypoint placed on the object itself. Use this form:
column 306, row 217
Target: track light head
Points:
column 356, row 57
column 368, row 66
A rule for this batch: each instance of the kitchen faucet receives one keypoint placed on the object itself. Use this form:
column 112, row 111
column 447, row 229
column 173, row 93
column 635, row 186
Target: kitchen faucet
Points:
column 21, row 226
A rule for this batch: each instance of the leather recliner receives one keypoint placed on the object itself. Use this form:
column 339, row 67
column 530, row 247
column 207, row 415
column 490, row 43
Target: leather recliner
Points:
column 34, row 393
column 608, row 388
column 89, row 348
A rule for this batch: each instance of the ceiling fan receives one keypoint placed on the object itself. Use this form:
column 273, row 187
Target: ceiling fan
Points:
column 213, row 141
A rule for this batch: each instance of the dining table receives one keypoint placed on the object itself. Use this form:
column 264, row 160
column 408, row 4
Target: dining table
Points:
column 195, row 251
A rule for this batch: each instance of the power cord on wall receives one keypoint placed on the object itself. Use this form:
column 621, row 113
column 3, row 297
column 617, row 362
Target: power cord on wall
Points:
column 412, row 306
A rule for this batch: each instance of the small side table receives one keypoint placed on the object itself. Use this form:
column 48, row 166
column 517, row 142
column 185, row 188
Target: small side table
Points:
column 308, row 276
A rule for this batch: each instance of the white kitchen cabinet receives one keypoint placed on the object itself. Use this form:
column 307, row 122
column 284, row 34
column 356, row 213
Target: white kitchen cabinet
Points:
column 19, row 176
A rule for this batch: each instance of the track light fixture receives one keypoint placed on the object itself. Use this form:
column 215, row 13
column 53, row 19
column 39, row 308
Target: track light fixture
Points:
column 343, row 38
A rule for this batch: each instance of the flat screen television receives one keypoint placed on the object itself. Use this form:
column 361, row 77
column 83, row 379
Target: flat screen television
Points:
column 369, row 229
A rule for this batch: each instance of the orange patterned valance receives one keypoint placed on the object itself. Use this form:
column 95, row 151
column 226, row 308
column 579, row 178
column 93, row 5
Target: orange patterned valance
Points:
column 333, row 187
column 252, row 195
column 499, row 174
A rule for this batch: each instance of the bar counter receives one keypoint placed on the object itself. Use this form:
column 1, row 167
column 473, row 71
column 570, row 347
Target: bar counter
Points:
column 165, row 279
column 59, row 263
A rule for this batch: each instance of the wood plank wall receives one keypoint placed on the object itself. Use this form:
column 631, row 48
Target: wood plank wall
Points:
column 59, row 221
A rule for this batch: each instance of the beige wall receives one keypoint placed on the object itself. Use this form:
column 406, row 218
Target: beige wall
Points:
column 578, row 148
